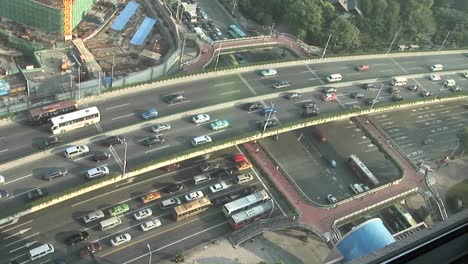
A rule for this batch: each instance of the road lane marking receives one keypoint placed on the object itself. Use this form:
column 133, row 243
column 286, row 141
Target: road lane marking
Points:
column 3, row 150
column 164, row 95
column 385, row 71
column 18, row 233
column 215, row 132
column 247, row 84
column 20, row 178
column 12, row 243
column 399, row 66
column 236, row 91
column 115, row 118
column 414, row 68
column 117, row 106
column 313, row 72
column 85, row 157
column 379, row 64
column 222, row 84
column 25, row 246
column 163, row 147
column 6, row 230
column 313, row 79
column 356, row 73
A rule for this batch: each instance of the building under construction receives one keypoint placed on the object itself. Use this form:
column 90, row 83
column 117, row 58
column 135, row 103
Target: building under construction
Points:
column 54, row 16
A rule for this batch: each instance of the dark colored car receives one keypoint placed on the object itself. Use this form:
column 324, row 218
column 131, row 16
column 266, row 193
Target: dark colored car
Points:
column 269, row 123
column 172, row 188
column 254, row 107
column 50, row 141
column 110, row 141
column 176, row 99
column 369, row 86
column 371, row 101
column 103, row 155
column 397, row 97
column 54, row 173
column 209, row 166
column 172, row 167
column 357, row 95
column 37, row 193
column 157, row 139
column 4, row 194
column 413, row 88
column 310, row 105
column 310, row 112
column 219, row 173
column 90, row 249
column 77, row 238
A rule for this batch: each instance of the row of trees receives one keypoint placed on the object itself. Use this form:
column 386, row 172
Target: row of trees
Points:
column 423, row 22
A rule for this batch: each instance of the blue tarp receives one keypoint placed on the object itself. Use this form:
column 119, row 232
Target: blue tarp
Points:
column 143, row 31
column 4, row 88
column 126, row 14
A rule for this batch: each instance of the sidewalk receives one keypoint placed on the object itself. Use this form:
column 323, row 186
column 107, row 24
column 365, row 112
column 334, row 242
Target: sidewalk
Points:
column 322, row 218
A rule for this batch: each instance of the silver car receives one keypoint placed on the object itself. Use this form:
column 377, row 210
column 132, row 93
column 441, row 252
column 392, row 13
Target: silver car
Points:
column 160, row 127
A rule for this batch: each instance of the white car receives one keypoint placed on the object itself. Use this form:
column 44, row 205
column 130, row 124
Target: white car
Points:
column 194, row 195
column 97, row 172
column 160, row 127
column 120, row 239
column 435, row 77
column 143, row 214
column 201, row 118
column 268, row 72
column 465, row 74
column 331, row 199
column 2, row 180
column 93, row 216
column 150, row 224
column 218, row 187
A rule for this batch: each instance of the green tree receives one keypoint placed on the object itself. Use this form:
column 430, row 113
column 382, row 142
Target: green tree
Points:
column 344, row 34
column 463, row 137
column 305, row 16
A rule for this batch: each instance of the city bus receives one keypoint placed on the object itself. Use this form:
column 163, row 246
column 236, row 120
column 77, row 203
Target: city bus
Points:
column 192, row 208
column 74, row 120
column 42, row 115
column 251, row 215
column 244, row 203
column 239, row 33
column 361, row 170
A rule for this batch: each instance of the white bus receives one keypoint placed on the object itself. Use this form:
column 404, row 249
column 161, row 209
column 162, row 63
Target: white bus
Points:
column 245, row 203
column 75, row 120
column 334, row 77
column 110, row 223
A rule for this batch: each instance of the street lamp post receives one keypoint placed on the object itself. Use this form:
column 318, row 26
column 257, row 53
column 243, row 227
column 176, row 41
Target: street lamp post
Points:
column 326, row 46
column 79, row 82
column 217, row 57
column 149, row 249
column 268, row 118
column 377, row 96
column 393, row 40
column 446, row 37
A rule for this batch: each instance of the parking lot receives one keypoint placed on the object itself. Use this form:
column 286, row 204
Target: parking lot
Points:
column 306, row 155
column 425, row 133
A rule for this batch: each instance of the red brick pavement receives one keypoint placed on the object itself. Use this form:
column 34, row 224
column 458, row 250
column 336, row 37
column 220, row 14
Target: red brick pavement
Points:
column 321, row 218
column 205, row 58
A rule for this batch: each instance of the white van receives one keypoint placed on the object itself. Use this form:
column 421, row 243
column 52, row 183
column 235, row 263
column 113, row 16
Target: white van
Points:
column 41, row 251
column 197, row 141
column 200, row 179
column 244, row 178
column 110, row 223
column 356, row 188
column 436, row 67
column 76, row 151
column 399, row 81
column 334, row 77
column 450, row 82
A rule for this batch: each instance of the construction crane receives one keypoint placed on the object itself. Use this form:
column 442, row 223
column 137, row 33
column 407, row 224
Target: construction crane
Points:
column 67, row 19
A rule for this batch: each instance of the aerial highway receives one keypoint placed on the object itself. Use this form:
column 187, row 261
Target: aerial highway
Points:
column 122, row 111
column 118, row 112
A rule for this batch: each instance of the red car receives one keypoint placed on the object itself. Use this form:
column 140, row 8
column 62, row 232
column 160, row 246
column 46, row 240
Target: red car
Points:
column 90, row 249
column 363, row 67
column 172, row 167
column 329, row 97
column 240, row 158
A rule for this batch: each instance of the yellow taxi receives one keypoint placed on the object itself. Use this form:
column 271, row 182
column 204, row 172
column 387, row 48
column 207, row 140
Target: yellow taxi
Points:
column 150, row 197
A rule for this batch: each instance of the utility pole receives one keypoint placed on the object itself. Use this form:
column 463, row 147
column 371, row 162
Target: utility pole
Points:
column 393, row 40
column 112, row 70
column 325, row 50
column 377, row 96
column 79, row 82
column 271, row 29
column 268, row 118
column 446, row 37
column 125, row 160
column 234, row 6
column 219, row 53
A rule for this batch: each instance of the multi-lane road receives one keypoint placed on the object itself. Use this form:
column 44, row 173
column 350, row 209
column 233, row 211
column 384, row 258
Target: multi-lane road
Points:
column 124, row 111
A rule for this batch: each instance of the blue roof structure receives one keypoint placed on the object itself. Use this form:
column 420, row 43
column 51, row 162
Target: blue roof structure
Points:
column 367, row 237
column 126, row 14
column 143, row 30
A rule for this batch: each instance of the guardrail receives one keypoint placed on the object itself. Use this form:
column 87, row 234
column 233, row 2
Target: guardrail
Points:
column 155, row 164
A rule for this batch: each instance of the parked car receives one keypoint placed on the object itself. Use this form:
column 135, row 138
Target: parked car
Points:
column 292, row 96
column 156, row 139
column 102, row 155
column 281, row 84
column 455, row 88
column 425, row 93
column 158, row 128
column 331, row 199
column 268, row 72
column 218, row 187
column 119, row 209
column 253, row 107
column 357, row 95
column 113, row 140
column 150, row 225
column 435, row 77
column 144, row 213
column 194, row 195
column 172, row 188
column 90, row 249
column 179, row 98
column 269, row 123
column 37, row 193
column 209, row 166
column 76, row 238
column 50, row 142
column 120, row 239
column 53, row 173
column 150, row 114
column 201, row 118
